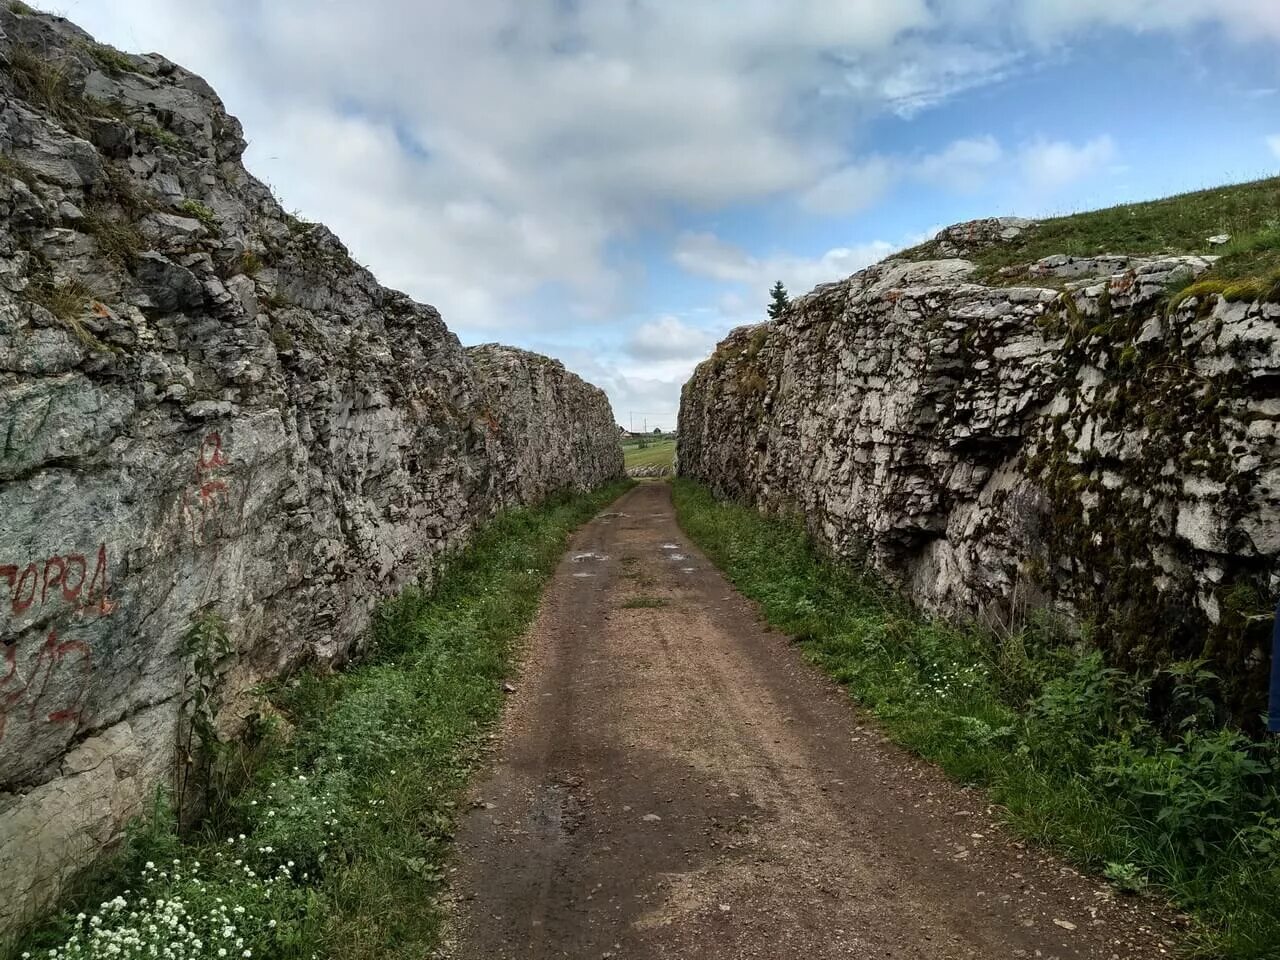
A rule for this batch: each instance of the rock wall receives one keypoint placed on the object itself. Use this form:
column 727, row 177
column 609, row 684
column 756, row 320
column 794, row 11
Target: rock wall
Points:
column 554, row 424
column 208, row 411
column 1068, row 443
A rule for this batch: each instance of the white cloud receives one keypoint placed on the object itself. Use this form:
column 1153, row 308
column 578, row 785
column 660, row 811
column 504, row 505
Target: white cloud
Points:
column 921, row 73
column 1049, row 165
column 962, row 165
column 852, row 188
column 661, row 354
column 638, row 390
column 1247, row 19
column 667, row 338
column 541, row 131
column 1273, row 143
column 707, row 255
column 478, row 153
column 1050, row 21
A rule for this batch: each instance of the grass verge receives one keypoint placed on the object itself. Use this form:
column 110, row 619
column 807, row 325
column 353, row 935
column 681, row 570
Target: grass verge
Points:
column 332, row 831
column 1068, row 746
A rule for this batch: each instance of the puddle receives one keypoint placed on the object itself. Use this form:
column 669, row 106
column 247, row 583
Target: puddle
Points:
column 580, row 557
column 671, row 546
column 677, row 556
column 686, row 569
column 584, row 574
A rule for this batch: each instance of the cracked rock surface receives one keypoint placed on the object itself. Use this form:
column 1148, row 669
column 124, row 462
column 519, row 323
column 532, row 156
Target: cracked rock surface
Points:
column 1069, row 443
column 205, row 406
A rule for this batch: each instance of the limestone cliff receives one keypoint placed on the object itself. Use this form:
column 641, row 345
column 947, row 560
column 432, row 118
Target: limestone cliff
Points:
column 1070, row 442
column 208, row 410
column 550, row 421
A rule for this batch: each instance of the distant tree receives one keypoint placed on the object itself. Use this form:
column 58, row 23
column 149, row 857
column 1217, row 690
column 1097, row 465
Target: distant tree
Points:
column 657, row 430
column 779, row 301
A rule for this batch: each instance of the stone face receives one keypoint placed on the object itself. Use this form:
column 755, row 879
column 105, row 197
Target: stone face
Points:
column 547, row 423
column 967, row 238
column 207, row 407
column 991, row 449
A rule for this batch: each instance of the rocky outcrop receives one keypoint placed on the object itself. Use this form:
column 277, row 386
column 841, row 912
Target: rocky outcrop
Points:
column 214, row 422
column 1069, row 443
column 550, row 423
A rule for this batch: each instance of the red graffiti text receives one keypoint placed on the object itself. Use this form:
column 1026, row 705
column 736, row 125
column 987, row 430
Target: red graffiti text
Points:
column 206, row 498
column 51, row 689
column 64, row 578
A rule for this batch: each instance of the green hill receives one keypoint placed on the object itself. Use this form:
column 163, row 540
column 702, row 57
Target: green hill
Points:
column 1248, row 212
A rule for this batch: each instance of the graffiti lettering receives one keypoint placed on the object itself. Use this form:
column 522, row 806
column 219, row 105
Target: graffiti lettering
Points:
column 210, row 456
column 20, row 604
column 40, row 582
column 51, row 689
column 210, row 491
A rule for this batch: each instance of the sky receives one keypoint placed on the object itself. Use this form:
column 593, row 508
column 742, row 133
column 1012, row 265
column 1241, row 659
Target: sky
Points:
column 617, row 183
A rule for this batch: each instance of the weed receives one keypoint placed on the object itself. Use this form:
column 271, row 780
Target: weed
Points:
column 118, row 187
column 275, row 299
column 1125, row 877
column 250, row 263
column 1070, row 746
column 118, row 240
column 296, row 224
column 201, row 212
column 1233, row 290
column 109, row 58
column 206, row 644
column 1173, row 225
column 281, row 338
column 20, row 8
column 68, row 301
column 43, row 82
column 165, row 138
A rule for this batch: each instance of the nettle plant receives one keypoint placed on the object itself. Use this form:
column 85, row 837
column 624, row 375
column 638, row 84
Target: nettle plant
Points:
column 205, row 645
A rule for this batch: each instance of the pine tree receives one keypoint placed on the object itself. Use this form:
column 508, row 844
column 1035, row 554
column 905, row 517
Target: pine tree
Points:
column 779, row 301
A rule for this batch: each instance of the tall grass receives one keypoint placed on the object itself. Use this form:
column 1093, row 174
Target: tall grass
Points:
column 1070, row 747
column 334, row 823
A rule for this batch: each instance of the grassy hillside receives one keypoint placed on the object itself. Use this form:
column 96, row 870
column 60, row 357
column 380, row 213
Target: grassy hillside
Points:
column 1248, row 212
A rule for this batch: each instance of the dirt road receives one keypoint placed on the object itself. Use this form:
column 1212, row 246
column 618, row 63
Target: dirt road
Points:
column 673, row 780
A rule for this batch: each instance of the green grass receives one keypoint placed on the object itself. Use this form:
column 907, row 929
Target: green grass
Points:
column 658, row 453
column 643, row 603
column 1248, row 212
column 201, row 212
column 332, row 824
column 161, row 136
column 108, row 58
column 1068, row 746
